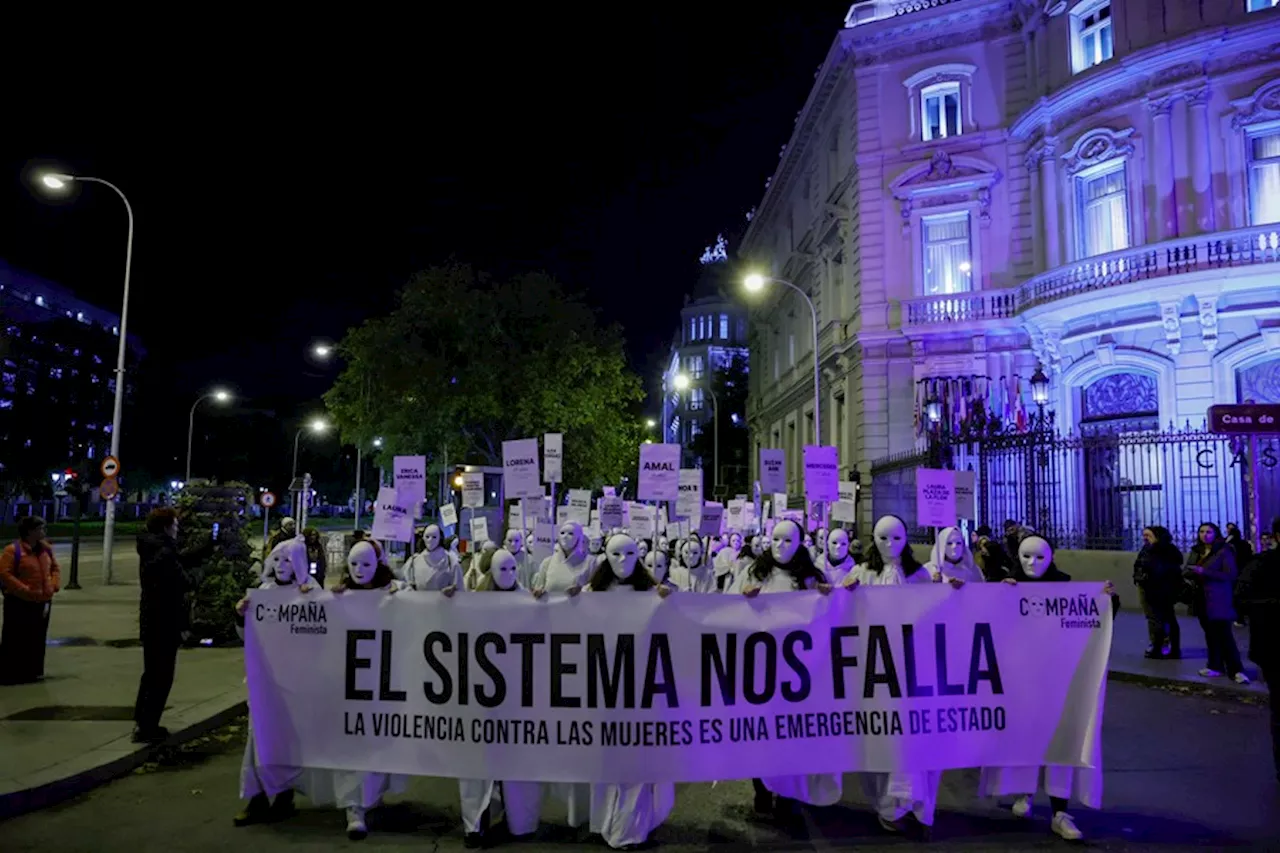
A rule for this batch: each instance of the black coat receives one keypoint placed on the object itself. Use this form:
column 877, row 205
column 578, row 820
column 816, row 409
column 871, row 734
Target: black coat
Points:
column 1259, row 590
column 165, row 576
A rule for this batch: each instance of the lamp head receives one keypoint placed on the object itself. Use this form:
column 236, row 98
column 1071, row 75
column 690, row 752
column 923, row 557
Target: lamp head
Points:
column 377, row 442
column 322, row 350
column 754, row 282
column 318, row 425
column 1039, row 387
column 56, row 180
column 222, row 396
column 650, row 423
column 681, row 382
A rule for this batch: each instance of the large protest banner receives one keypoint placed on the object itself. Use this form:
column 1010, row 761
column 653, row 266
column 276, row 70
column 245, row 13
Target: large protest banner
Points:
column 628, row 688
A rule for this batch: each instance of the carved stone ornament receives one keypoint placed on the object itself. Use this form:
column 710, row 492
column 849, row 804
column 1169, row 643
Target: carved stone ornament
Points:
column 1208, row 308
column 1043, row 150
column 1171, row 320
column 940, row 166
column 1264, row 106
column 1053, row 349
column 906, row 217
column 1098, row 146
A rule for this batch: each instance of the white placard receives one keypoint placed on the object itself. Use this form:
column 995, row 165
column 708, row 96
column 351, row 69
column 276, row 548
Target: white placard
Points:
column 642, row 521
column 712, row 519
column 773, row 470
column 448, row 515
column 473, row 489
column 966, row 500
column 520, row 469
column 544, row 540
column 689, row 503
column 579, row 507
column 392, row 517
column 515, row 517
column 935, row 498
column 821, row 473
column 779, row 503
column 612, row 513
column 411, row 481
column 735, row 519
column 552, row 456
column 479, row 530
column 659, row 472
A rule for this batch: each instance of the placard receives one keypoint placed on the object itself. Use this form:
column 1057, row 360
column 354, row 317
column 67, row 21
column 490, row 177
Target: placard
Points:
column 544, row 540
column 520, row 469
column 642, row 522
column 689, row 501
column 612, row 513
column 392, row 518
column 448, row 515
column 821, row 473
column 411, row 481
column 552, row 456
column 966, row 500
column 779, row 503
column 935, row 498
column 479, row 530
column 712, row 519
column 773, row 470
column 659, row 472
column 579, row 508
column 473, row 489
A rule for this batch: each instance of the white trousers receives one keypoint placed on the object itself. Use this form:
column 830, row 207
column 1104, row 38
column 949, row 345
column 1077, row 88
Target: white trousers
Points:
column 519, row 802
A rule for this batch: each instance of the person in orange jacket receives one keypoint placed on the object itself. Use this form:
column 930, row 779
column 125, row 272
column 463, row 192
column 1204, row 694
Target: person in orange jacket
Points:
column 29, row 578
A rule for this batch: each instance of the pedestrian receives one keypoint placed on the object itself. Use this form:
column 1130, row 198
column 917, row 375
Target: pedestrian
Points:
column 1211, row 566
column 287, row 530
column 1244, row 556
column 1157, row 573
column 165, row 576
column 1260, row 590
column 29, row 579
column 316, row 562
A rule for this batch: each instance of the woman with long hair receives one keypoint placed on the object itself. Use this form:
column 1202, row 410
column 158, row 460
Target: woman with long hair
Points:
column 1157, row 573
column 1211, row 566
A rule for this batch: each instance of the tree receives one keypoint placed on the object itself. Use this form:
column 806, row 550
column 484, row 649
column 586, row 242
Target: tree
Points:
column 227, row 572
column 729, row 381
column 465, row 362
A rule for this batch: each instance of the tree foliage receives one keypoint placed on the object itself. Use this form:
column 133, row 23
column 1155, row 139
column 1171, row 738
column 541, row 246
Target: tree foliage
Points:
column 227, row 572
column 465, row 362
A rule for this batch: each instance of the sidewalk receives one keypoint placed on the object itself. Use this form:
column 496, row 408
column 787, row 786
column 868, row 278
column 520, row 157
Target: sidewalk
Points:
column 72, row 731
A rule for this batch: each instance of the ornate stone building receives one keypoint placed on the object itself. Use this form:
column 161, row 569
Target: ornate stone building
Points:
column 976, row 189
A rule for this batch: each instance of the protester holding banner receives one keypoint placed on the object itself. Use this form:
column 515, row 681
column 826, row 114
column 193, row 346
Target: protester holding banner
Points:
column 726, row 560
column 625, row 815
column 433, row 568
column 692, row 573
column 951, row 560
column 787, row 567
column 656, row 563
column 837, row 562
column 569, row 567
column 486, row 802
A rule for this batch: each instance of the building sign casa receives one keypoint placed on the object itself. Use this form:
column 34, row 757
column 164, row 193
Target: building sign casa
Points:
column 1246, row 419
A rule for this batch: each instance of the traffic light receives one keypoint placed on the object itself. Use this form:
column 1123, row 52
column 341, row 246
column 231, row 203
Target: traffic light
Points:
column 73, row 485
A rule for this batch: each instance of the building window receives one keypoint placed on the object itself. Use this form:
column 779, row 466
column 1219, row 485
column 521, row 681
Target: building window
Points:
column 1091, row 35
column 1264, row 175
column 695, row 399
column 777, row 366
column 948, row 254
column 791, row 350
column 1259, row 5
column 1104, row 209
column 724, row 327
column 693, row 329
column 940, row 110
column 697, row 367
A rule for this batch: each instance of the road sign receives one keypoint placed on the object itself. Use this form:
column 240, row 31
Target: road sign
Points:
column 1258, row 419
column 110, row 487
column 110, row 467
column 268, row 499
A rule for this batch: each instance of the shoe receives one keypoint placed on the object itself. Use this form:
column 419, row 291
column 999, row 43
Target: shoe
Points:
column 256, row 811
column 1064, row 827
column 919, row 831
column 283, row 807
column 1152, row 654
column 1240, row 625
column 897, row 827
column 763, row 802
column 151, row 736
column 1209, row 673
column 1022, row 806
column 356, row 829
column 1240, row 678
column 473, row 841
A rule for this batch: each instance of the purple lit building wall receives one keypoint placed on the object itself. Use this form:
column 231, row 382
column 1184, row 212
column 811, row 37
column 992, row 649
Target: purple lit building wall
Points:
column 975, row 189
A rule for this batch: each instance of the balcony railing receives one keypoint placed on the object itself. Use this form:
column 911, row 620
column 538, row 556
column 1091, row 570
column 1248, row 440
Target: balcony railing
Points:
column 1246, row 247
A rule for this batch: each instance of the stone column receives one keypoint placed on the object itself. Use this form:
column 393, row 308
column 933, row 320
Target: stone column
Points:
column 1049, row 200
column 1032, row 161
column 1162, row 161
column 1201, row 168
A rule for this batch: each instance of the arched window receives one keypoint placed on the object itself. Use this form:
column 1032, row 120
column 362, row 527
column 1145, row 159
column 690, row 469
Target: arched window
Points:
column 1259, row 383
column 1120, row 401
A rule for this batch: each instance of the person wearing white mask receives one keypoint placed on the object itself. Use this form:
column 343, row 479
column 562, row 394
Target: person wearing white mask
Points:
column 691, row 573
column 513, row 543
column 486, row 802
column 568, row 568
column 657, row 564
column 837, row 562
column 473, row 574
column 625, row 814
column 433, row 568
column 726, row 560
column 788, row 567
column 951, row 561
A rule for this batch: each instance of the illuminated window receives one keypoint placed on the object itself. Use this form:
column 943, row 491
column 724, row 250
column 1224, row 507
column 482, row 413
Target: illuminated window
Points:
column 724, row 327
column 1264, row 174
column 1259, row 5
column 1091, row 35
column 940, row 110
column 693, row 329
column 695, row 399
column 791, row 350
column 1104, row 209
column 697, row 367
column 948, row 254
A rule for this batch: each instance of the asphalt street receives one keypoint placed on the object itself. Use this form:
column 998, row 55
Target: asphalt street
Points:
column 1183, row 772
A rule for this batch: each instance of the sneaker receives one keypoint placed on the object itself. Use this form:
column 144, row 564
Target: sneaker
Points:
column 356, row 829
column 1064, row 827
column 1240, row 678
column 151, row 736
column 894, row 826
column 255, row 812
column 1209, row 673
column 1022, row 806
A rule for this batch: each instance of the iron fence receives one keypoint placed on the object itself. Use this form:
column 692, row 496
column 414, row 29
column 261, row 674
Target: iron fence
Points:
column 1094, row 488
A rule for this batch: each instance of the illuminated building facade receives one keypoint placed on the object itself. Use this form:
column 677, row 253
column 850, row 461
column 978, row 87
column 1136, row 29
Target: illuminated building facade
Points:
column 979, row 189
column 57, row 368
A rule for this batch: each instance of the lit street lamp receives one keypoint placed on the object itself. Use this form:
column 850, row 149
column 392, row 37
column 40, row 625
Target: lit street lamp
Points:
column 317, row 426
column 650, row 423
column 322, row 350
column 755, row 282
column 220, row 396
column 377, row 443
column 682, row 383
column 56, row 181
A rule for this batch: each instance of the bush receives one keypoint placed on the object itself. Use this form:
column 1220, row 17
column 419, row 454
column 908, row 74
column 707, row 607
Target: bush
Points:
column 228, row 571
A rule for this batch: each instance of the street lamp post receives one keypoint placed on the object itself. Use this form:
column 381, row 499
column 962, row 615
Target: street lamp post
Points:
column 219, row 395
column 317, row 426
column 682, row 382
column 55, row 181
column 377, row 443
column 755, row 282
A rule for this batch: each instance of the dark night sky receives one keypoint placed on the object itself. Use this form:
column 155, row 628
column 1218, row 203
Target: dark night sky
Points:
column 283, row 188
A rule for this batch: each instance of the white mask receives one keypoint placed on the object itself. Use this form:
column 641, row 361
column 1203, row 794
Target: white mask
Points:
column 362, row 562
column 953, row 550
column 786, row 541
column 569, row 536
column 274, row 566
column 513, row 542
column 890, row 538
column 621, row 554
column 692, row 553
column 1035, row 555
column 595, row 542
column 663, row 544
column 431, row 537
column 837, row 546
column 502, row 569
column 657, row 563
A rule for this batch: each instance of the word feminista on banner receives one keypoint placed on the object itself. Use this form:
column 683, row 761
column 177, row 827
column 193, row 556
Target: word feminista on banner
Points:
column 630, row 688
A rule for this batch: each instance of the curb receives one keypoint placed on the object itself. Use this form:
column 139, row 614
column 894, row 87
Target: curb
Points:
column 52, row 793
column 1250, row 696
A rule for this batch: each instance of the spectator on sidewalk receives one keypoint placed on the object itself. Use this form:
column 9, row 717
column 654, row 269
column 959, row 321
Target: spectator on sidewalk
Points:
column 1211, row 566
column 317, row 562
column 29, row 579
column 1244, row 556
column 165, row 576
column 287, row 530
column 1260, row 590
column 1157, row 573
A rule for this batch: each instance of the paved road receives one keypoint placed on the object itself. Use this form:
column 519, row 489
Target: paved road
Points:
column 1183, row 772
